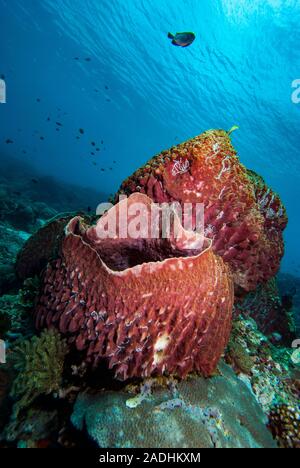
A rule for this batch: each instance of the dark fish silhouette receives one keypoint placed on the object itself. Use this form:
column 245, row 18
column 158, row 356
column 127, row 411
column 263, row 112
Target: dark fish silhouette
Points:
column 81, row 130
column 34, row 181
column 9, row 142
column 183, row 39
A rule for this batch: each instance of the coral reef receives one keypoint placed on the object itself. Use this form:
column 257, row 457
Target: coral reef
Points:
column 243, row 217
column 29, row 292
column 5, row 385
column 148, row 306
column 139, row 307
column 39, row 363
column 268, row 310
column 34, row 430
column 268, row 370
column 289, row 288
column 237, row 354
column 11, row 242
column 15, row 319
column 284, row 422
column 195, row 413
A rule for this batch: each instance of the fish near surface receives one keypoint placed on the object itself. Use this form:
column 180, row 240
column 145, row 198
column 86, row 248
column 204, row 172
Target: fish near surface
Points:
column 183, row 39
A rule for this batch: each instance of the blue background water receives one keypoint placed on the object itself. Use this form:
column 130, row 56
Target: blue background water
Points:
column 139, row 94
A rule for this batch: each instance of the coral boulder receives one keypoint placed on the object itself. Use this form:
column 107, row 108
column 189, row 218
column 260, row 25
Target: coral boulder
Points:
column 148, row 306
column 220, row 412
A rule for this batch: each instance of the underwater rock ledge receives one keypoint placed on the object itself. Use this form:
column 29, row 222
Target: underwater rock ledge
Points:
column 219, row 412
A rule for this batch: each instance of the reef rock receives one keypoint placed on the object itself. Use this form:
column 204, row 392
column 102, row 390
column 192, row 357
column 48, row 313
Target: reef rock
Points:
column 41, row 247
column 242, row 216
column 270, row 312
column 10, row 244
column 147, row 305
column 198, row 413
column 284, row 422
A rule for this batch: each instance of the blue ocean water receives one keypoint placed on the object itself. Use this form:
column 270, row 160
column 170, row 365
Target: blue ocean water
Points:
column 107, row 67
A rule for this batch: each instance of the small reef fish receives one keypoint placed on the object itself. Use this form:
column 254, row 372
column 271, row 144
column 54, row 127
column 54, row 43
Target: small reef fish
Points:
column 183, row 39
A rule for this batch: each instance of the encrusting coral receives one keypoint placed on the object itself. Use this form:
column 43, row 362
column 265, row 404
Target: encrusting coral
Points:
column 242, row 216
column 32, row 430
column 147, row 306
column 39, row 363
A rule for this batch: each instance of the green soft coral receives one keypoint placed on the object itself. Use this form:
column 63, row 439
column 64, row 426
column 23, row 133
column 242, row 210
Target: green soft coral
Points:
column 39, row 363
